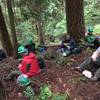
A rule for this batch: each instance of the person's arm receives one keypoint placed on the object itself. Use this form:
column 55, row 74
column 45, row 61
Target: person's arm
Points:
column 72, row 44
column 19, row 65
column 96, row 54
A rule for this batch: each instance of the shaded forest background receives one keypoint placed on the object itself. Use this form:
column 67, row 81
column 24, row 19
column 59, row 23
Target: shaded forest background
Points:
column 41, row 20
column 45, row 21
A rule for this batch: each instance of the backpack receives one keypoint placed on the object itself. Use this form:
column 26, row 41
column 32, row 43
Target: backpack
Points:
column 77, row 50
column 2, row 55
column 41, row 63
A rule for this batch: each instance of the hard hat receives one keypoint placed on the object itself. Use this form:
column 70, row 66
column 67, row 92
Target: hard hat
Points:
column 90, row 29
column 21, row 49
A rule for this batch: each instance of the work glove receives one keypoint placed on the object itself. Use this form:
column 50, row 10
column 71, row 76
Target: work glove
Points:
column 24, row 75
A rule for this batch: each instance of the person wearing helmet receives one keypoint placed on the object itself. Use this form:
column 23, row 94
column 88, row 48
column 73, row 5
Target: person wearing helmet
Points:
column 92, row 40
column 90, row 29
column 90, row 37
column 93, row 60
column 27, row 68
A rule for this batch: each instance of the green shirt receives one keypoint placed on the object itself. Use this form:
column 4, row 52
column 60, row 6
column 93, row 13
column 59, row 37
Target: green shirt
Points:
column 90, row 38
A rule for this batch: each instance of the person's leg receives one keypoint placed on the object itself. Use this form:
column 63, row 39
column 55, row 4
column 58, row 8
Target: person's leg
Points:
column 68, row 52
column 85, row 64
column 13, row 74
column 59, row 50
column 97, row 73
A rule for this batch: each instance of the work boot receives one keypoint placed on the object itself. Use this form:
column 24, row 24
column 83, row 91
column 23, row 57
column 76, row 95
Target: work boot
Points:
column 94, row 79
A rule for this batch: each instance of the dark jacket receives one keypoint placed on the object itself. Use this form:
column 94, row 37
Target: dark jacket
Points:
column 71, row 43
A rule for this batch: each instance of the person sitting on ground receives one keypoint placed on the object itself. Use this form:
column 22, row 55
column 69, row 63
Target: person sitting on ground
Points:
column 94, row 60
column 30, row 46
column 67, row 45
column 91, row 40
column 28, row 67
column 2, row 55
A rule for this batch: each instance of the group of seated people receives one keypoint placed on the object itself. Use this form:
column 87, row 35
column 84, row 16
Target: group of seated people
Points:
column 30, row 65
column 69, row 46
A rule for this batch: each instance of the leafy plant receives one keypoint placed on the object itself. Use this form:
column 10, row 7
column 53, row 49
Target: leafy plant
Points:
column 61, row 60
column 97, row 29
column 45, row 93
column 26, row 31
column 29, row 93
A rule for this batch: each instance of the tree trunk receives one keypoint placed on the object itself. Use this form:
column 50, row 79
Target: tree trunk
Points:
column 74, row 17
column 12, row 24
column 5, row 36
column 32, row 7
column 40, row 32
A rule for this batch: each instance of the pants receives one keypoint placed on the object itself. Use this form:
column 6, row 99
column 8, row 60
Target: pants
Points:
column 13, row 74
column 88, row 63
column 64, row 50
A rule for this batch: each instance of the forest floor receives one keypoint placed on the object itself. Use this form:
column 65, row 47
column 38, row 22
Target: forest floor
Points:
column 60, row 78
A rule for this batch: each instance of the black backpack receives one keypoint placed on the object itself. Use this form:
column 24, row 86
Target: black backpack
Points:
column 41, row 62
column 2, row 55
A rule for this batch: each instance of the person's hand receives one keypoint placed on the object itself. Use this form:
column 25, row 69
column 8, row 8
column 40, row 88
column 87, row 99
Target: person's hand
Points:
column 25, row 75
column 94, row 56
column 65, row 44
column 19, row 65
column 68, row 47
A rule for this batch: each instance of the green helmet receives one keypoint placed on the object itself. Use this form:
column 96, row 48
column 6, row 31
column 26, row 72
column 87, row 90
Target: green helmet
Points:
column 23, row 81
column 30, row 41
column 90, row 29
column 21, row 49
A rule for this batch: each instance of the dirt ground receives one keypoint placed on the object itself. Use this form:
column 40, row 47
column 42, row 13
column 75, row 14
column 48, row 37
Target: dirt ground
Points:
column 60, row 78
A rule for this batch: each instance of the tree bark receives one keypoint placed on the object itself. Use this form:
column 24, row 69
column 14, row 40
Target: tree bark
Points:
column 40, row 32
column 5, row 36
column 39, row 27
column 12, row 24
column 75, row 18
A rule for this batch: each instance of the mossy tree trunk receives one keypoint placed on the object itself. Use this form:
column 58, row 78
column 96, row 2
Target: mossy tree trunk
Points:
column 75, row 18
column 13, row 31
column 40, row 32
